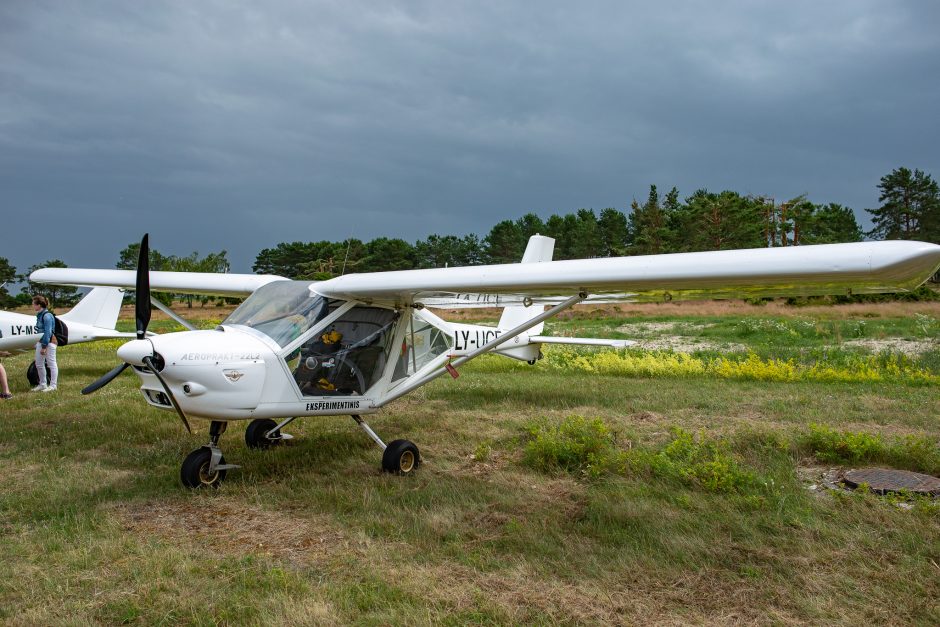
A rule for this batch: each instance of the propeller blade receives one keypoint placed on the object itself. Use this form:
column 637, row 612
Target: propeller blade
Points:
column 105, row 380
column 166, row 388
column 142, row 309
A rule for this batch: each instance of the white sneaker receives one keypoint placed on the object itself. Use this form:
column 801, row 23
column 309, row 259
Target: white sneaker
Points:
column 39, row 388
column 51, row 388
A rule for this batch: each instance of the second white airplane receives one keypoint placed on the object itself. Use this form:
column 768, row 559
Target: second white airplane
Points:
column 92, row 318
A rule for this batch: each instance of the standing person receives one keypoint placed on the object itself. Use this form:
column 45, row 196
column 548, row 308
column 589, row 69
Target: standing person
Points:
column 4, row 386
column 46, row 346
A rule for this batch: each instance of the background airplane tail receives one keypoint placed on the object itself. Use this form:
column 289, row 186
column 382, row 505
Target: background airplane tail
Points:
column 539, row 249
column 99, row 308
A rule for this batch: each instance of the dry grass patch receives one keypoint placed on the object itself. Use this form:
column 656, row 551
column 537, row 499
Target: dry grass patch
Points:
column 68, row 476
column 894, row 309
column 631, row 595
column 236, row 528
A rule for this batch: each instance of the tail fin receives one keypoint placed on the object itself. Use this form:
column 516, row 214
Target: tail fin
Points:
column 539, row 249
column 99, row 308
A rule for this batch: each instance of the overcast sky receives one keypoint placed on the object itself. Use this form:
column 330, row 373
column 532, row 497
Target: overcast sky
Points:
column 238, row 125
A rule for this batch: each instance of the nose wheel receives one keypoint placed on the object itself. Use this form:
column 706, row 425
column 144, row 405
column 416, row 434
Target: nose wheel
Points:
column 205, row 467
column 196, row 470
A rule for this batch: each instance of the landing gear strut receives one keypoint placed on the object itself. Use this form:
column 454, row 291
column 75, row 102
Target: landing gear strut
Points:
column 205, row 467
column 400, row 457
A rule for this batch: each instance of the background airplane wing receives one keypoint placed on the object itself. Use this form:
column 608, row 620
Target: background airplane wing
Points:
column 217, row 284
column 866, row 267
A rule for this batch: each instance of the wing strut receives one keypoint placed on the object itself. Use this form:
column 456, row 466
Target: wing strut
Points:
column 505, row 337
column 156, row 303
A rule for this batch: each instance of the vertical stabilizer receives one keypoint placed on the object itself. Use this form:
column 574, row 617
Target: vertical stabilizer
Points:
column 99, row 308
column 539, row 249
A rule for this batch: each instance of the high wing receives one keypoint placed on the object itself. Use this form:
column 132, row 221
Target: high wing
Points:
column 858, row 268
column 238, row 285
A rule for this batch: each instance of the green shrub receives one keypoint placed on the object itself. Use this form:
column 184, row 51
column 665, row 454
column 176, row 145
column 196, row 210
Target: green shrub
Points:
column 577, row 444
column 916, row 452
column 831, row 446
column 703, row 462
column 586, row 446
column 910, row 452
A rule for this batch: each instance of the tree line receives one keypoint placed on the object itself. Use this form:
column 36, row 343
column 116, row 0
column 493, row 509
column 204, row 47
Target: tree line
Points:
column 909, row 209
column 705, row 220
column 60, row 296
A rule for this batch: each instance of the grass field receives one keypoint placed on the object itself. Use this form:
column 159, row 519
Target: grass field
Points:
column 585, row 489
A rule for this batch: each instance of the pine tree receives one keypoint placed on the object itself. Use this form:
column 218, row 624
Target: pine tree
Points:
column 613, row 232
column 722, row 221
column 7, row 277
column 650, row 228
column 505, row 243
column 910, row 207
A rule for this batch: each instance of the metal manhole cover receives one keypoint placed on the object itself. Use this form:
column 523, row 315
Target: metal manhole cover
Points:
column 883, row 480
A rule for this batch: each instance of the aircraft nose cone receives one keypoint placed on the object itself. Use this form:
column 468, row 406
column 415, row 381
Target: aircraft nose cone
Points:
column 134, row 352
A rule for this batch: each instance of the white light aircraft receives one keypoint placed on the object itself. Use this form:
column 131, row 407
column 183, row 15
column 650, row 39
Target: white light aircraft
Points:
column 92, row 318
column 355, row 343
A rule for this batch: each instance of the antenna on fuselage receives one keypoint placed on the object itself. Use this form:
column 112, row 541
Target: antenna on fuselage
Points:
column 348, row 245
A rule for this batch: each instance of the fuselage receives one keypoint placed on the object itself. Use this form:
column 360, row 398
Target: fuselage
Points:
column 289, row 352
column 18, row 332
column 92, row 318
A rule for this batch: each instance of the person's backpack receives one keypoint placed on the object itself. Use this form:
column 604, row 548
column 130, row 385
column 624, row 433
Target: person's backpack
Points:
column 60, row 330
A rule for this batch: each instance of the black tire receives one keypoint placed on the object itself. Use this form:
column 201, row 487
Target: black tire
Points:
column 401, row 457
column 195, row 470
column 32, row 374
column 256, row 431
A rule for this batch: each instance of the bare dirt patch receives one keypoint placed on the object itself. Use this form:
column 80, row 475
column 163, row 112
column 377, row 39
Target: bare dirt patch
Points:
column 650, row 328
column 682, row 344
column 895, row 345
column 236, row 528
column 645, row 416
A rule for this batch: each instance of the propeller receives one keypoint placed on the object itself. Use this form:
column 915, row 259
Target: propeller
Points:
column 142, row 316
column 142, row 308
column 142, row 311
column 105, row 380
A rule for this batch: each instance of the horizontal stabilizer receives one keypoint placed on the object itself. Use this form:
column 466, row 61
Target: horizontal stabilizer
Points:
column 580, row 341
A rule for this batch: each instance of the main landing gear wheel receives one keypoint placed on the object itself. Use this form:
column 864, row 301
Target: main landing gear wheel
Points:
column 401, row 457
column 195, row 470
column 256, row 435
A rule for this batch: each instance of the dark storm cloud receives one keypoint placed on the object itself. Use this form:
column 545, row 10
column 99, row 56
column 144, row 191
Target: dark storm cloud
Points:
column 240, row 125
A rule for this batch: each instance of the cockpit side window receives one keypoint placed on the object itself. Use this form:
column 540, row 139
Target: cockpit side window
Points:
column 349, row 356
column 423, row 343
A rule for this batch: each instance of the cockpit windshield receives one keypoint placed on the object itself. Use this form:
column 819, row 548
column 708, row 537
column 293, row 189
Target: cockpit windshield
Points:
column 282, row 310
